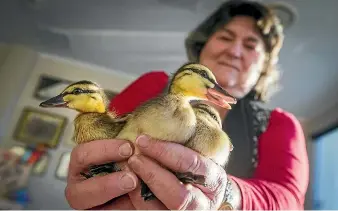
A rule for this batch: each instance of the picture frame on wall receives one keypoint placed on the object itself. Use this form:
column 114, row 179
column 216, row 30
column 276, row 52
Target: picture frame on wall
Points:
column 61, row 171
column 36, row 127
column 49, row 86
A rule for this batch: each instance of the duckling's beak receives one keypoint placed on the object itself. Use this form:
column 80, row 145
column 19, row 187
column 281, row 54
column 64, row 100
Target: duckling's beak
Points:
column 219, row 96
column 56, row 101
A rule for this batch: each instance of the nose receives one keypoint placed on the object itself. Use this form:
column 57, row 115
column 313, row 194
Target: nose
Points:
column 235, row 50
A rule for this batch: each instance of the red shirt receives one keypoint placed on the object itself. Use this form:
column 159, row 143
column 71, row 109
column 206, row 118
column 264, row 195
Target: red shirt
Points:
column 281, row 178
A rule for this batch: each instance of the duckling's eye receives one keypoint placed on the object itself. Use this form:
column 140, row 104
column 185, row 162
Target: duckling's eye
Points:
column 205, row 75
column 214, row 117
column 77, row 91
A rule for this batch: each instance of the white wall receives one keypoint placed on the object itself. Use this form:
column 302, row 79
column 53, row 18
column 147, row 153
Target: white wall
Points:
column 20, row 71
column 16, row 65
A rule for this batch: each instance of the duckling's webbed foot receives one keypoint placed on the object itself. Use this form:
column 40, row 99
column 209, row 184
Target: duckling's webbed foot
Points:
column 146, row 193
column 100, row 170
column 189, row 177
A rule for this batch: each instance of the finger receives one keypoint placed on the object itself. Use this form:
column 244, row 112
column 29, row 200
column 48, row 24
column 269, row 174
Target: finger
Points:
column 182, row 159
column 98, row 190
column 140, row 204
column 167, row 188
column 121, row 203
column 97, row 152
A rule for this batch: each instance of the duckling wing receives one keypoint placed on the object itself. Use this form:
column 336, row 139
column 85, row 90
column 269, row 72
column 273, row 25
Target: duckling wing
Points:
column 210, row 142
column 96, row 126
column 110, row 127
column 165, row 118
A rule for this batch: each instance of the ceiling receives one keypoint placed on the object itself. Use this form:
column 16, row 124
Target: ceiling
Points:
column 134, row 36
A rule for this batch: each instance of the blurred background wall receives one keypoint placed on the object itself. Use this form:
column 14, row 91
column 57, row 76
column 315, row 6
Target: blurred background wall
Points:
column 21, row 68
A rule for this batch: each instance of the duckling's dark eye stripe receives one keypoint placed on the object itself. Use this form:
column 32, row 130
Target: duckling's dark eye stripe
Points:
column 201, row 72
column 89, row 91
column 82, row 92
column 183, row 75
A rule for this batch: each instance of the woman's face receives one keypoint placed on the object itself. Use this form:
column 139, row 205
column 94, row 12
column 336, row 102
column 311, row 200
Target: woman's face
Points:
column 236, row 55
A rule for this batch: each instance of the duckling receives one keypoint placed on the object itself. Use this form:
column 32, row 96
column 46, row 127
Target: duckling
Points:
column 94, row 120
column 209, row 139
column 170, row 116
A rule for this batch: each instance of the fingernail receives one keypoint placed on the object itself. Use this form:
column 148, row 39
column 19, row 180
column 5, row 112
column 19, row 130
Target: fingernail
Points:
column 135, row 163
column 127, row 182
column 125, row 150
column 142, row 141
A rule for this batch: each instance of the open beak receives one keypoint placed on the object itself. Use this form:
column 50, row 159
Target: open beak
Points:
column 56, row 101
column 219, row 96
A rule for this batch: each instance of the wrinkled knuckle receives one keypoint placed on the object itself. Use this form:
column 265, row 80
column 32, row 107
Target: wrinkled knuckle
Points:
column 180, row 164
column 218, row 183
column 195, row 164
column 222, row 177
column 105, row 148
column 150, row 178
column 80, row 155
column 162, row 150
column 191, row 165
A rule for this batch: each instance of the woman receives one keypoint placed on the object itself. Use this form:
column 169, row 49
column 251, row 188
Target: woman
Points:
column 268, row 168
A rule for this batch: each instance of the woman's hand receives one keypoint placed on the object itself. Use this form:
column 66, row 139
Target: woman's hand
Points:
column 171, row 193
column 97, row 192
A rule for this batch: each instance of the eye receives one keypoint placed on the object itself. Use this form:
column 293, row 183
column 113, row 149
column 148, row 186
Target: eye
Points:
column 77, row 91
column 204, row 74
column 225, row 38
column 250, row 47
column 214, row 117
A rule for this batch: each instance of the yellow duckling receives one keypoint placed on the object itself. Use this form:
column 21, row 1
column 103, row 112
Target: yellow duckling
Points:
column 209, row 140
column 94, row 120
column 170, row 117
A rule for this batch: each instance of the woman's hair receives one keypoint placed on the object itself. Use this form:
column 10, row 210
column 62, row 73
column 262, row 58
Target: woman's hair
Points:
column 269, row 27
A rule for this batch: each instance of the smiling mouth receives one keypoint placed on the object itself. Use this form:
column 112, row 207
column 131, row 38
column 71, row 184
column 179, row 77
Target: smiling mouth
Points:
column 228, row 65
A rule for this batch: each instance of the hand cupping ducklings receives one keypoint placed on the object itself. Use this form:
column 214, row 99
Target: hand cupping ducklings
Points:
column 168, row 117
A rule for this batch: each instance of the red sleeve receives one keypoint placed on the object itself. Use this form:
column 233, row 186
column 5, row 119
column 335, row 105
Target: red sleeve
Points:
column 282, row 174
column 143, row 88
